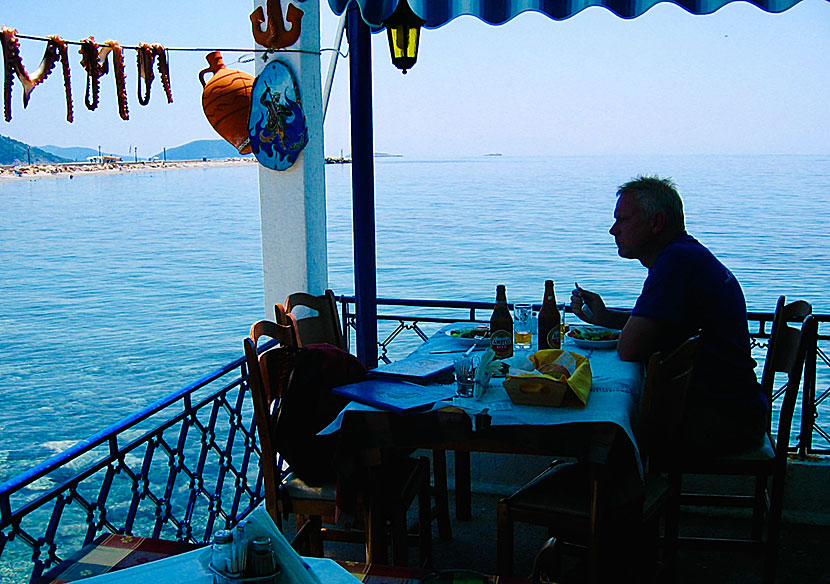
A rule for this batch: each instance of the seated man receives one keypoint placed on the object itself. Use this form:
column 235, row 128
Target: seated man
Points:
column 687, row 289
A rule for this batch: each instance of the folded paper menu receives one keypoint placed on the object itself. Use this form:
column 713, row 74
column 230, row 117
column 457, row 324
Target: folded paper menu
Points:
column 395, row 395
column 423, row 368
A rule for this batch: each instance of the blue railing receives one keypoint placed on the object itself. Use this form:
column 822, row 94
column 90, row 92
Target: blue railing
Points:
column 188, row 464
column 178, row 469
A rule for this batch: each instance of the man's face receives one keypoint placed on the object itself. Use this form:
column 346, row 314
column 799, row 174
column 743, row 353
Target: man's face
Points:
column 632, row 230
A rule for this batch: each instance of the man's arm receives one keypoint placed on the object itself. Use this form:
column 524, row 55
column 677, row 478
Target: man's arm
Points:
column 639, row 338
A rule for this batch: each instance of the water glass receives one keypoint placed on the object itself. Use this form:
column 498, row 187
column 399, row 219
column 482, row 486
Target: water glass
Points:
column 465, row 376
column 522, row 325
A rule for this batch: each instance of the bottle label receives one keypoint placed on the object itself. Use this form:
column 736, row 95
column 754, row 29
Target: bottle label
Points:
column 554, row 339
column 502, row 344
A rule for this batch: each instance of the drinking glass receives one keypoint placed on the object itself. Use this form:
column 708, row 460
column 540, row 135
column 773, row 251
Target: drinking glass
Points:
column 465, row 376
column 522, row 329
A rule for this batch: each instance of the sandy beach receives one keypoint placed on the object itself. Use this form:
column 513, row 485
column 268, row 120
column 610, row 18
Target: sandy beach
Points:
column 35, row 171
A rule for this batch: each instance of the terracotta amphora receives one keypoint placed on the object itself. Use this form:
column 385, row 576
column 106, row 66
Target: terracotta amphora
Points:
column 226, row 99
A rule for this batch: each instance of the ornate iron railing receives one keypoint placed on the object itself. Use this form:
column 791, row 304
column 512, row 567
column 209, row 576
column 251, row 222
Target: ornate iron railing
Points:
column 810, row 436
column 187, row 464
column 178, row 469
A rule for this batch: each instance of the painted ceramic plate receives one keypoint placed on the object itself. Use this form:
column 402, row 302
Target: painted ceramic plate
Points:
column 478, row 335
column 593, row 337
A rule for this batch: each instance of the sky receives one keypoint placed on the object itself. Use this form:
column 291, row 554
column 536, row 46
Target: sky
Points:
column 740, row 81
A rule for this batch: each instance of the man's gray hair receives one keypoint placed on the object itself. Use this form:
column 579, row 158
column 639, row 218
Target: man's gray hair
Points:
column 655, row 194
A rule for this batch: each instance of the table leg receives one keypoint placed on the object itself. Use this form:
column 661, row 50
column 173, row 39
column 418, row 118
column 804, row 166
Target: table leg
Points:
column 463, row 502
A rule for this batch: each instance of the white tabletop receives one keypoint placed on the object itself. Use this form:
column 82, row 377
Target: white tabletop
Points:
column 614, row 397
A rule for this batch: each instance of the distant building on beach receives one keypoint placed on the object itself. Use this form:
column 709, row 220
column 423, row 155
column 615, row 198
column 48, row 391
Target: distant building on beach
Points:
column 103, row 159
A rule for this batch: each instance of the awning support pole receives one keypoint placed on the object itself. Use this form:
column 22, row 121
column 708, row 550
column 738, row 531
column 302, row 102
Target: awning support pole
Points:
column 363, row 187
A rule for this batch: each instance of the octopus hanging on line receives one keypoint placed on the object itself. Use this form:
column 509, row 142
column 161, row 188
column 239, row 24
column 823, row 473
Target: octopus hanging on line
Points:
column 146, row 55
column 13, row 64
column 94, row 69
column 120, row 78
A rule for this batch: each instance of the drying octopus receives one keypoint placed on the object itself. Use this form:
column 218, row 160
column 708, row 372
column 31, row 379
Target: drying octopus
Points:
column 55, row 50
column 147, row 53
column 95, row 60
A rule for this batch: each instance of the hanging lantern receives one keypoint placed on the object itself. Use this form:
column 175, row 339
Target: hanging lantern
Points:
column 403, row 27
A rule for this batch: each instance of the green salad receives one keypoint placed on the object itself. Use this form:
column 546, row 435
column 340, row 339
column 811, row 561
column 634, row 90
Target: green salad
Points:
column 594, row 334
column 481, row 332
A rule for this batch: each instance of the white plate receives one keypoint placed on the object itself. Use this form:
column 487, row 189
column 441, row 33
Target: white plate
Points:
column 585, row 343
column 479, row 341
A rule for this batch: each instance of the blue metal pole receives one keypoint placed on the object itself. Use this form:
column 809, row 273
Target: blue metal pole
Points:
column 363, row 187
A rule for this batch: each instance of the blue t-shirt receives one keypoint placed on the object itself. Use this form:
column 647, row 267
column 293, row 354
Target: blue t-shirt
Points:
column 689, row 289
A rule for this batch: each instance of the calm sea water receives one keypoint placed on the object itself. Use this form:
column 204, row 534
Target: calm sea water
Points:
column 117, row 289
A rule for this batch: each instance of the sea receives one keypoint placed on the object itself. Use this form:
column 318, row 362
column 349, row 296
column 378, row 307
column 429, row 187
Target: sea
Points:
column 118, row 289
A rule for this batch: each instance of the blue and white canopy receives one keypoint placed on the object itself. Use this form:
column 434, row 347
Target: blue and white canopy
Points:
column 439, row 12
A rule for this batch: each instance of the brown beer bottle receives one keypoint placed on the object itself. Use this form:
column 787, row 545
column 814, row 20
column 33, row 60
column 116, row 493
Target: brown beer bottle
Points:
column 501, row 326
column 549, row 321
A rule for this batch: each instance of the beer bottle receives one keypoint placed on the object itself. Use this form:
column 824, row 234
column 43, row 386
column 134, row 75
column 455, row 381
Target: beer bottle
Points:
column 549, row 336
column 501, row 326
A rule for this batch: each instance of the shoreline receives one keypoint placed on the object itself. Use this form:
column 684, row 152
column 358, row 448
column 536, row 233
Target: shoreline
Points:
column 69, row 169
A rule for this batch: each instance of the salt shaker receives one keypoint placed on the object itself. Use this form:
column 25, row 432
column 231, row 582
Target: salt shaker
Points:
column 222, row 548
column 261, row 560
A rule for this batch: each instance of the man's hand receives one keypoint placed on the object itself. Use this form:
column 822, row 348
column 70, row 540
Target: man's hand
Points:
column 588, row 306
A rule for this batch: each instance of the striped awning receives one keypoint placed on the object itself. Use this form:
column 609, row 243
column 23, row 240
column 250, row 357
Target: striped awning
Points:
column 439, row 12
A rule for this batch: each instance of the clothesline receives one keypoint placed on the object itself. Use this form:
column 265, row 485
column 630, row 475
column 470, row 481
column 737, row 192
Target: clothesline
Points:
column 196, row 49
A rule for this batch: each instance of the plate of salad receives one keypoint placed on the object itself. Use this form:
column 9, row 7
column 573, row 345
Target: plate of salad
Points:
column 593, row 337
column 478, row 335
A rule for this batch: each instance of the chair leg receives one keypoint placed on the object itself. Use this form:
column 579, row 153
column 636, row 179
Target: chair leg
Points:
column 376, row 541
column 672, row 523
column 504, row 540
column 397, row 521
column 463, row 500
column 760, row 507
column 442, row 497
column 773, row 529
column 425, row 522
column 315, row 536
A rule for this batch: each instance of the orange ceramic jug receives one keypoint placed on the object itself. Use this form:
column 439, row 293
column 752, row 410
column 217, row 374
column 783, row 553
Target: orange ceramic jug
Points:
column 226, row 99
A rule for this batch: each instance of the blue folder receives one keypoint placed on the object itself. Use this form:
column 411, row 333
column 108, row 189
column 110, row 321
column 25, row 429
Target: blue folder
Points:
column 395, row 395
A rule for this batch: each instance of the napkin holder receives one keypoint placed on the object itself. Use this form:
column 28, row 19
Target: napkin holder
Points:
column 537, row 389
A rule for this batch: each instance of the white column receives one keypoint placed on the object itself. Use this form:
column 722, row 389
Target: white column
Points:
column 293, row 201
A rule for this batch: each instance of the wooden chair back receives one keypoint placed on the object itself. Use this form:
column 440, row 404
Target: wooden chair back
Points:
column 268, row 374
column 282, row 316
column 783, row 343
column 791, row 352
column 321, row 327
column 663, row 405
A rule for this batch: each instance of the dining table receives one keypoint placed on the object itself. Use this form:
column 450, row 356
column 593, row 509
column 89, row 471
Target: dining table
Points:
column 389, row 421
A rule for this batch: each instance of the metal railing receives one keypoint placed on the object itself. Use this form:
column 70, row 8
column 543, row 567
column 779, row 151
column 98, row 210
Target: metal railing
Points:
column 187, row 464
column 422, row 317
column 178, row 469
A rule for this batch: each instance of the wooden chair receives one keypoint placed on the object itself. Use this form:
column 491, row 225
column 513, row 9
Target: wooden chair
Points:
column 324, row 327
column 314, row 506
column 766, row 463
column 567, row 497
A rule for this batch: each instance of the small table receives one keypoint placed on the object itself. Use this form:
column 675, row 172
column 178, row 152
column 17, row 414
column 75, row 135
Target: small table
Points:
column 112, row 552
column 495, row 425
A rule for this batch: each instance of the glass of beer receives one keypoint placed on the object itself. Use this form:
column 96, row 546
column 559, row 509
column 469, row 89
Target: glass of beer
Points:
column 522, row 325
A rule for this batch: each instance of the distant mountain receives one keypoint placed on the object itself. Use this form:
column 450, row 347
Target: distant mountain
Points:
column 75, row 153
column 199, row 149
column 15, row 152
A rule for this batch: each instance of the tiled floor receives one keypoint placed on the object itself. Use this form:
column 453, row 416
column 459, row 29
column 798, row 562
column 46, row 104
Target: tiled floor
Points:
column 804, row 555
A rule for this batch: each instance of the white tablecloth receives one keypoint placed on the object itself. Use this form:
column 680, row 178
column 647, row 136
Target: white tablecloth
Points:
column 192, row 567
column 614, row 397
